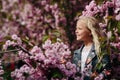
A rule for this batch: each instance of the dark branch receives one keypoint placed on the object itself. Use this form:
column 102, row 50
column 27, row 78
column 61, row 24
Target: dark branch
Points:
column 9, row 51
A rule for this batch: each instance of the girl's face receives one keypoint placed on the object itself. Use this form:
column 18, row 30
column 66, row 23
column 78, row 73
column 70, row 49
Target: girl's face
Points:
column 82, row 32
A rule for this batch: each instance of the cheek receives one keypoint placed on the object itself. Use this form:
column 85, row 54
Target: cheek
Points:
column 86, row 34
column 83, row 35
column 80, row 35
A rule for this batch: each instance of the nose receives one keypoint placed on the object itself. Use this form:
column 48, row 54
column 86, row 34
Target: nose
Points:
column 76, row 31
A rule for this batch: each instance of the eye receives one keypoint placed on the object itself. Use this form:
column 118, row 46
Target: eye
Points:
column 79, row 28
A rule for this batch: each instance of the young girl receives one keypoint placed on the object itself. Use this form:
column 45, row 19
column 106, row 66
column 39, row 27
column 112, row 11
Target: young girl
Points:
column 88, row 31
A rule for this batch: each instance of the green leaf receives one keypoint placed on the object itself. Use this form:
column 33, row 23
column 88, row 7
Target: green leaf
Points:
column 9, row 17
column 113, row 37
column 26, row 40
column 56, row 33
column 99, row 66
column 57, row 74
column 111, row 24
column 7, row 74
column 1, row 43
column 25, row 74
column 101, row 1
column 44, row 38
column 7, row 37
column 33, row 63
column 118, row 27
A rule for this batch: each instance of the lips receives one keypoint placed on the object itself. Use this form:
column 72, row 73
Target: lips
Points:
column 78, row 35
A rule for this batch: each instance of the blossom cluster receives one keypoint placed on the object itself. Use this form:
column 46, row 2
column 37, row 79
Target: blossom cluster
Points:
column 52, row 55
column 15, row 41
column 91, row 9
column 24, row 18
column 104, row 9
column 42, row 61
column 52, row 58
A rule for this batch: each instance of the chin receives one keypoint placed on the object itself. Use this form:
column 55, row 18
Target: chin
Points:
column 78, row 39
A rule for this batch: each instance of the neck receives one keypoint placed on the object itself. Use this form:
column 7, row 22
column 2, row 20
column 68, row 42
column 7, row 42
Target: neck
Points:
column 88, row 43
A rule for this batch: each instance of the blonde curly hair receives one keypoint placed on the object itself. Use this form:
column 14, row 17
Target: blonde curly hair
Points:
column 93, row 25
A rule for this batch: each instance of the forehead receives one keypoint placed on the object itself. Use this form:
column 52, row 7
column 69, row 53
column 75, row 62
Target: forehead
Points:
column 81, row 24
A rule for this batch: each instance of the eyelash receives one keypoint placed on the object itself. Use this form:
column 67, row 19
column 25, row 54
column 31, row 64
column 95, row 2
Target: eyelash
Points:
column 79, row 28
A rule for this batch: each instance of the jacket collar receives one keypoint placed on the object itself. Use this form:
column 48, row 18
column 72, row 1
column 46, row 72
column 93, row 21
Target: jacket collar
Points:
column 90, row 56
